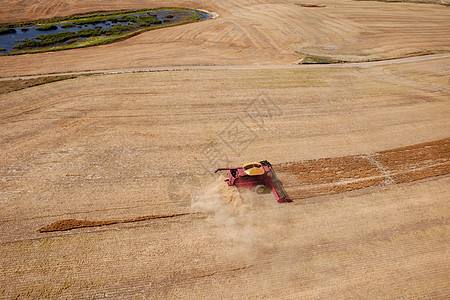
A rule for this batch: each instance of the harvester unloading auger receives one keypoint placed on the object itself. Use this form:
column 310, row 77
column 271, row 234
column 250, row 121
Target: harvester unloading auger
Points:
column 258, row 177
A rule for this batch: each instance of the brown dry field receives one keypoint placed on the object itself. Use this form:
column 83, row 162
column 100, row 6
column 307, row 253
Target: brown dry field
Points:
column 106, row 181
column 248, row 32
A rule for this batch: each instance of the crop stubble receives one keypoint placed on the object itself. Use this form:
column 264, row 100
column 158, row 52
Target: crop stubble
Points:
column 386, row 244
column 246, row 33
column 327, row 176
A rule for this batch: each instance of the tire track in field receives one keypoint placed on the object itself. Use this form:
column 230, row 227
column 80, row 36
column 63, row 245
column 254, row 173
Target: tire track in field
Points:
column 327, row 176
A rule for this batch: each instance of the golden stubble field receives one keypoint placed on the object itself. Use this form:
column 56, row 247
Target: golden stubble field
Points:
column 363, row 150
column 247, row 32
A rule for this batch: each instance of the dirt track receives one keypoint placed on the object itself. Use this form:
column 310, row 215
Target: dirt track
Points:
column 130, row 148
column 33, row 78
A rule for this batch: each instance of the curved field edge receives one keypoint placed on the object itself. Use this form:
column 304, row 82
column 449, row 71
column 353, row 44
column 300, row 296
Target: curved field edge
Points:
column 95, row 14
column 96, row 41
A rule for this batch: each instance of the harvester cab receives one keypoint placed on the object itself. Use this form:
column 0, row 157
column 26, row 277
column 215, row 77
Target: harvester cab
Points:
column 258, row 177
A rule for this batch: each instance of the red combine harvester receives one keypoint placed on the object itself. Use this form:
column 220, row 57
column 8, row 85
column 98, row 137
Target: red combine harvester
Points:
column 258, row 177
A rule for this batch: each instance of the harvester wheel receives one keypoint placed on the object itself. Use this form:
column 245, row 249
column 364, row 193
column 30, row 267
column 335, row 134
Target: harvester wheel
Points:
column 260, row 189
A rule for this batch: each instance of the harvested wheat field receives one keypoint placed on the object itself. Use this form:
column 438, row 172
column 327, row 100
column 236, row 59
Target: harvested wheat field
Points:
column 247, row 32
column 107, row 183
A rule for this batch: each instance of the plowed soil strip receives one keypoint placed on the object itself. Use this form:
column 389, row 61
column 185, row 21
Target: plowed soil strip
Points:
column 69, row 224
column 328, row 176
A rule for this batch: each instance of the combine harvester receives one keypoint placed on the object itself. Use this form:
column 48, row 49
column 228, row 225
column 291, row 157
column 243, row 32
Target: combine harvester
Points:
column 258, row 177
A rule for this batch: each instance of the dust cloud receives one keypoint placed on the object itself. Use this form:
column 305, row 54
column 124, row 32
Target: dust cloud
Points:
column 244, row 218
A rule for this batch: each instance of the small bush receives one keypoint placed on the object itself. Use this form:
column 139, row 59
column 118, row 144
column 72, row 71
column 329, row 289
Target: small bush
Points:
column 89, row 32
column 2, row 49
column 147, row 20
column 169, row 17
column 152, row 18
column 50, row 39
column 131, row 18
column 47, row 27
column 27, row 43
column 68, row 25
column 24, row 29
column 7, row 30
column 111, row 19
column 46, row 40
column 88, row 21
column 118, row 29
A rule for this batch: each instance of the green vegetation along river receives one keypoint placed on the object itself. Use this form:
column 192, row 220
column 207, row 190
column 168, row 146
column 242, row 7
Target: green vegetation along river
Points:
column 89, row 30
